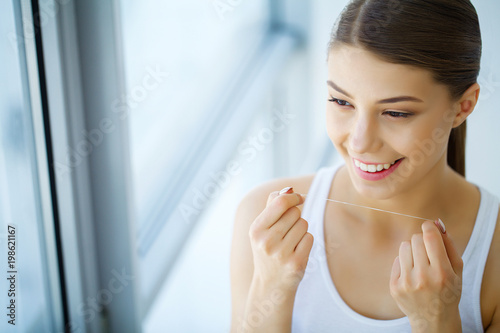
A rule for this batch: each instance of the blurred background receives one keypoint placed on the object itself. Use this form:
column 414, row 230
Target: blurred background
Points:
column 131, row 130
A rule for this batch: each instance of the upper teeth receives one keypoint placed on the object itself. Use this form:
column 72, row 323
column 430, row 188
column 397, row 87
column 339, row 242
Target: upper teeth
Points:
column 372, row 167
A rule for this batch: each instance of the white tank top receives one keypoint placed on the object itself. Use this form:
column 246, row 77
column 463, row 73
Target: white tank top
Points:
column 318, row 306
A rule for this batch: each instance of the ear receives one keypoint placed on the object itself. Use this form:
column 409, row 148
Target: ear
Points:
column 466, row 104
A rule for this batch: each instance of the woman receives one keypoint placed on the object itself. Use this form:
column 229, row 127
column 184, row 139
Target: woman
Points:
column 401, row 83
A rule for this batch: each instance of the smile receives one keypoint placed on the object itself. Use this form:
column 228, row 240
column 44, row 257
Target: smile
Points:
column 373, row 167
column 375, row 171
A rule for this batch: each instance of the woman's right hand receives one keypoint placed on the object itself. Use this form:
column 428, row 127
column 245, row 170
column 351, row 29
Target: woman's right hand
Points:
column 280, row 241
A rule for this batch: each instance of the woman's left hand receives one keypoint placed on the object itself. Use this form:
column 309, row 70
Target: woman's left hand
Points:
column 426, row 280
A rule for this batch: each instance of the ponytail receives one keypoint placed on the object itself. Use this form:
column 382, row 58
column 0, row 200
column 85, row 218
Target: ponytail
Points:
column 456, row 148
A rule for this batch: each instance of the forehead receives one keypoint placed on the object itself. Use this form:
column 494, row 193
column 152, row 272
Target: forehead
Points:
column 361, row 73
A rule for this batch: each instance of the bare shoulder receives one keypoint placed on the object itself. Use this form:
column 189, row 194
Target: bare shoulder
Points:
column 490, row 291
column 241, row 262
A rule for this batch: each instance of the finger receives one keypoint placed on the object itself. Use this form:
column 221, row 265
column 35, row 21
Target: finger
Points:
column 294, row 235
column 277, row 207
column 434, row 245
column 420, row 258
column 405, row 259
column 285, row 222
column 395, row 272
column 455, row 258
column 305, row 245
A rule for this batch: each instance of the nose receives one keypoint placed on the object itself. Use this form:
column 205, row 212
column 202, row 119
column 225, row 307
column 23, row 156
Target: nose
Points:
column 364, row 136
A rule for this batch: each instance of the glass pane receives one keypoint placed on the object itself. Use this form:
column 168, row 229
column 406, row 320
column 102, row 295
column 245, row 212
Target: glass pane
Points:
column 178, row 57
column 23, row 287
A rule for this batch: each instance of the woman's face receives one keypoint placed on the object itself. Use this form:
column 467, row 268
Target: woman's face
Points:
column 379, row 113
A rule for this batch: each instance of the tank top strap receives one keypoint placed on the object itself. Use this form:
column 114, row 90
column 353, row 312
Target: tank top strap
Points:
column 474, row 258
column 314, row 205
column 482, row 233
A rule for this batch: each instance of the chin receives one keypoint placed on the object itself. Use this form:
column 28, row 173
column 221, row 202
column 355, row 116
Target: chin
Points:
column 380, row 191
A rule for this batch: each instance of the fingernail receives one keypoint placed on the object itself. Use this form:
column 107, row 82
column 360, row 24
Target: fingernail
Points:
column 286, row 190
column 440, row 225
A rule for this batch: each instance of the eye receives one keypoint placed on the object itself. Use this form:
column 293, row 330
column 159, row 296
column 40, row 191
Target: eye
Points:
column 397, row 114
column 339, row 101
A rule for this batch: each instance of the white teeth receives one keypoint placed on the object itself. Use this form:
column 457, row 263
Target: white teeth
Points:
column 372, row 167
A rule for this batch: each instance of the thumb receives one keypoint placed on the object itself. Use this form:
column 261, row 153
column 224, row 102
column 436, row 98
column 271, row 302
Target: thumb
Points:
column 273, row 195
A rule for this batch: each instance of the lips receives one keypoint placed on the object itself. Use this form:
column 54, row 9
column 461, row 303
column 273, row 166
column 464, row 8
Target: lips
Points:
column 374, row 172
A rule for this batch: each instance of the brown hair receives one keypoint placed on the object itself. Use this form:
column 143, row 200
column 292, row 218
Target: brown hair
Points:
column 441, row 36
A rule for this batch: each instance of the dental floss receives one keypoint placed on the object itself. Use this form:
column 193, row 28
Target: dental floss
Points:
column 380, row 210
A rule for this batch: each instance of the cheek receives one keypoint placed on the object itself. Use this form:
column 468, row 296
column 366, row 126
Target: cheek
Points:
column 424, row 143
column 336, row 127
column 330, row 124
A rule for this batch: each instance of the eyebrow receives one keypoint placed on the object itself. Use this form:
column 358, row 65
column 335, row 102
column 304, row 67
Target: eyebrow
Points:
column 382, row 101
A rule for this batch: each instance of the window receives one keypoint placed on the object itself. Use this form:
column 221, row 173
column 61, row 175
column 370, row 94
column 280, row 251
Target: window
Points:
column 189, row 67
column 31, row 289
